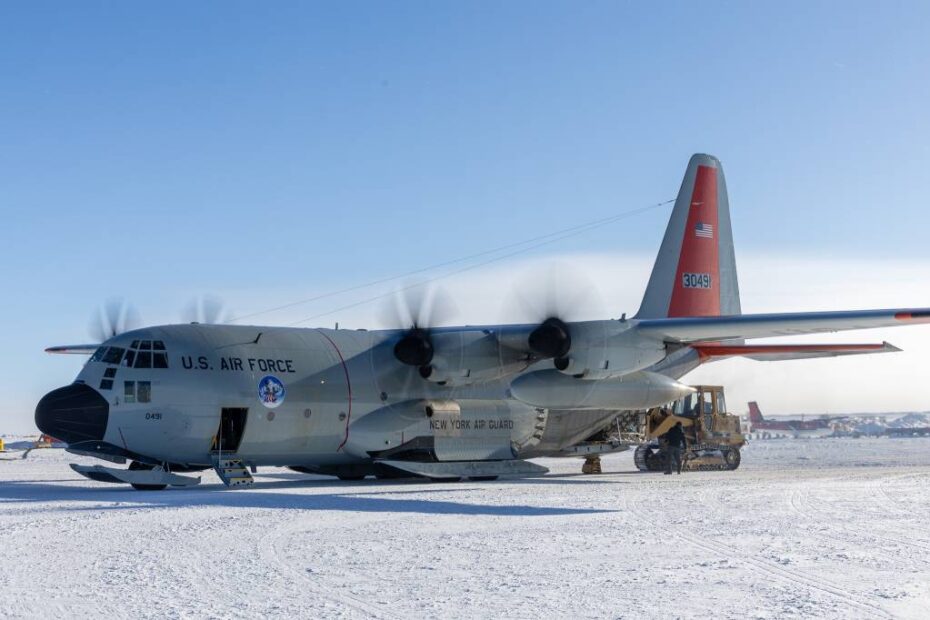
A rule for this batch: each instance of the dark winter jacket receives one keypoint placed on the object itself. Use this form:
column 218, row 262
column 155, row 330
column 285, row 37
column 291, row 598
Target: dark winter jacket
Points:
column 675, row 437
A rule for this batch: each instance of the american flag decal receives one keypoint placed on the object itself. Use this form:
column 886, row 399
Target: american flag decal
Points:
column 704, row 230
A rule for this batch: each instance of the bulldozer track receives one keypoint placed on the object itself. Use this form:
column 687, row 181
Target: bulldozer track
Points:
column 641, row 462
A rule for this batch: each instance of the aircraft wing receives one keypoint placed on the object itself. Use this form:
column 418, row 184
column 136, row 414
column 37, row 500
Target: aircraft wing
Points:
column 73, row 349
column 715, row 328
column 781, row 352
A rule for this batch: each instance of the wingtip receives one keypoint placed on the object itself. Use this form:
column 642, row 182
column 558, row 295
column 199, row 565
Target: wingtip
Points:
column 73, row 349
column 890, row 348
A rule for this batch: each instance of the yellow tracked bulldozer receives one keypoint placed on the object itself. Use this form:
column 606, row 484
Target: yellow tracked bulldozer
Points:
column 713, row 436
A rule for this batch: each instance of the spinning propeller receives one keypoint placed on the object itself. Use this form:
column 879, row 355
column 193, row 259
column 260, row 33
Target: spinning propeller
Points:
column 553, row 295
column 117, row 316
column 114, row 317
column 206, row 310
column 551, row 339
column 419, row 309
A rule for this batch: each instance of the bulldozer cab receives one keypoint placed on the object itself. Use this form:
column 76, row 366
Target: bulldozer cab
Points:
column 704, row 411
column 707, row 400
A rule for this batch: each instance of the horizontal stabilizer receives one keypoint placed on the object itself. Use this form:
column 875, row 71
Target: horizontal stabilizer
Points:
column 73, row 349
column 715, row 328
column 781, row 352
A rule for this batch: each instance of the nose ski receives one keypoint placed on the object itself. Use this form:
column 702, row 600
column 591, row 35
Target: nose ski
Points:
column 153, row 479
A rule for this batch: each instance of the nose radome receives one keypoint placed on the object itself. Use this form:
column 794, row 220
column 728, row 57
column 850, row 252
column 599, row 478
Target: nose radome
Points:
column 73, row 413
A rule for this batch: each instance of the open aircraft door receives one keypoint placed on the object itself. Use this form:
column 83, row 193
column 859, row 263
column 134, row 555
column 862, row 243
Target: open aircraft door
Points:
column 228, row 466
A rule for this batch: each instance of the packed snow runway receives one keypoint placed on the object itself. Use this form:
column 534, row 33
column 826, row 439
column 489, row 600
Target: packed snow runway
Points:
column 827, row 528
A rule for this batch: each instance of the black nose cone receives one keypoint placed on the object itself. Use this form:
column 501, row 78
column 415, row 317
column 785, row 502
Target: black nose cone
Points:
column 73, row 413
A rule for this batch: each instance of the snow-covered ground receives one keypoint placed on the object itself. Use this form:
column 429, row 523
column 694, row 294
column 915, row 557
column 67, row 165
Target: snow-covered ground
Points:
column 820, row 528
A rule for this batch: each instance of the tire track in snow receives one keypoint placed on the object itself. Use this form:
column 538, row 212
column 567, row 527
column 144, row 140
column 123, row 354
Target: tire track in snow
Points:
column 800, row 502
column 793, row 577
column 891, row 503
column 271, row 551
column 774, row 570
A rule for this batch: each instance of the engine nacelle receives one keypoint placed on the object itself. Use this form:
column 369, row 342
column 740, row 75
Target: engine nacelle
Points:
column 614, row 360
column 464, row 358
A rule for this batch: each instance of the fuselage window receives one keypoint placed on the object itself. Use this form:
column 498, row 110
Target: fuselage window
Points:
column 159, row 360
column 98, row 354
column 109, row 373
column 113, row 355
column 143, row 360
column 129, row 391
column 106, row 384
column 158, row 345
column 134, row 345
column 144, row 391
column 146, row 344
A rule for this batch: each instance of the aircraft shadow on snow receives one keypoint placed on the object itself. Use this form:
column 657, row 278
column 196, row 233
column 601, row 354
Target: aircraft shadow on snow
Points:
column 352, row 498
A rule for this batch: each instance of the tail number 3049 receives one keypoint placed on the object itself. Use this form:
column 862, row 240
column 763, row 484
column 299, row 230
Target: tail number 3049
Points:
column 695, row 280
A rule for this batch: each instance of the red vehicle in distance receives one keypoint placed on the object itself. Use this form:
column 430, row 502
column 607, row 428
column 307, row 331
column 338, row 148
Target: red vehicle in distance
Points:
column 758, row 425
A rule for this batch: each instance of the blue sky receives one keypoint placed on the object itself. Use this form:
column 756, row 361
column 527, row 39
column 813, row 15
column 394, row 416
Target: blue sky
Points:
column 268, row 152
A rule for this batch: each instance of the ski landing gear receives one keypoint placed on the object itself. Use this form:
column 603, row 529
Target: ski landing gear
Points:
column 141, row 476
column 137, row 466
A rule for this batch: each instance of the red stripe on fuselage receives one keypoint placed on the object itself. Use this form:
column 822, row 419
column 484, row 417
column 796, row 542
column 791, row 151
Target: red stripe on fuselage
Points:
column 699, row 255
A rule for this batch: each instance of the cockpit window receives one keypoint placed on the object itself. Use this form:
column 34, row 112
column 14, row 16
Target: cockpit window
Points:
column 143, row 360
column 113, row 355
column 140, row 354
column 129, row 358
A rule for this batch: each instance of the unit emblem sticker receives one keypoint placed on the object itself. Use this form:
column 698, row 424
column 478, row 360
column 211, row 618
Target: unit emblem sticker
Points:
column 271, row 391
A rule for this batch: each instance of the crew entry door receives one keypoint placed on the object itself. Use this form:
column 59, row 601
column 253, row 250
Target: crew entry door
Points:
column 232, row 426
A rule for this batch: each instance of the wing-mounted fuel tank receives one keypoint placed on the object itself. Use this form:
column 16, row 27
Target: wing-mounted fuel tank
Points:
column 444, row 430
column 552, row 389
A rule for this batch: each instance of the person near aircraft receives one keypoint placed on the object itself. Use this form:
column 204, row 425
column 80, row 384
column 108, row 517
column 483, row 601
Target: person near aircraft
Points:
column 675, row 442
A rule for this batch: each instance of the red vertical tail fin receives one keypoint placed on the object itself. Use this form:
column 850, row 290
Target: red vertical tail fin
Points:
column 755, row 414
column 695, row 271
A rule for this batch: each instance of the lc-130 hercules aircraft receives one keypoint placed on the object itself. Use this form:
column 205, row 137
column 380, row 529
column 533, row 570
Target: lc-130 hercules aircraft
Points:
column 443, row 403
